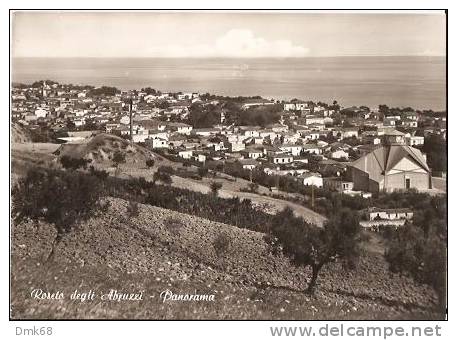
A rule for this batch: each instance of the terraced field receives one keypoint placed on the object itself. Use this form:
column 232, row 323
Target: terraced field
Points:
column 161, row 249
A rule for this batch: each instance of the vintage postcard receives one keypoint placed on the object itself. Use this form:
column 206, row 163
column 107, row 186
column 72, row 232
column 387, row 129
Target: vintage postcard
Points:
column 228, row 165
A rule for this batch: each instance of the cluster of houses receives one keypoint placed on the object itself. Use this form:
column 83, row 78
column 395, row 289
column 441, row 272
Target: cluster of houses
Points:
column 57, row 106
column 359, row 156
column 373, row 218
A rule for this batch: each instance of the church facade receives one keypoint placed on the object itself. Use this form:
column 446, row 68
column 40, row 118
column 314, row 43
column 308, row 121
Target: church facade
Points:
column 391, row 167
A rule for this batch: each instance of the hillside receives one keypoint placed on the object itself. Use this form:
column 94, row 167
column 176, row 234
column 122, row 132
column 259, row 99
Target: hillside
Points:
column 101, row 148
column 161, row 249
column 20, row 134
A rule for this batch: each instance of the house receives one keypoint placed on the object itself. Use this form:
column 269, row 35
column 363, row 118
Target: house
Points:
column 373, row 213
column 289, row 106
column 290, row 137
column 235, row 146
column 251, row 131
column 41, row 113
column 317, row 127
column 291, row 148
column 393, row 136
column 338, row 184
column 30, row 117
column 152, row 124
column 175, row 140
column 338, row 153
column 190, row 95
column 409, row 123
column 181, row 128
column 300, row 159
column 314, row 120
column 414, row 140
column 391, row 167
column 186, row 154
column 373, row 123
column 125, row 120
column 281, row 158
column 205, row 132
column 295, row 105
column 331, row 168
column 411, row 115
column 278, row 127
column 248, row 164
column 256, row 102
column 157, row 143
column 158, row 134
column 311, row 178
column 140, row 136
column 394, row 117
column 389, row 121
column 349, row 132
column 252, row 153
column 257, row 140
column 310, row 135
column 311, row 148
column 370, row 137
column 200, row 156
column 79, row 122
column 338, row 150
column 270, row 150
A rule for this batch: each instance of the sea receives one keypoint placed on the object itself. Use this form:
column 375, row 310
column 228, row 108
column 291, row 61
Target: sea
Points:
column 417, row 82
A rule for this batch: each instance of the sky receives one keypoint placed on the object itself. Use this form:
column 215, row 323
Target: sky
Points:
column 228, row 35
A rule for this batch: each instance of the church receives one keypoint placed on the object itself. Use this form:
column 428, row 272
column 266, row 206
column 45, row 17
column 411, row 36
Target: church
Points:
column 391, row 166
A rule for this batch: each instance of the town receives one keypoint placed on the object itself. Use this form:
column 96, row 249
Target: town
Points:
column 355, row 150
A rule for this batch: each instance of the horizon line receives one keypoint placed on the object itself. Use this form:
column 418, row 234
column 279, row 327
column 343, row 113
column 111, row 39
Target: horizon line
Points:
column 228, row 57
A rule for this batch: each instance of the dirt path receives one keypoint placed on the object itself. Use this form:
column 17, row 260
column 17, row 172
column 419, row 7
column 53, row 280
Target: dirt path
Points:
column 273, row 204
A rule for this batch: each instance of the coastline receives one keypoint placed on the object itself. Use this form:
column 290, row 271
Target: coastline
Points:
column 394, row 81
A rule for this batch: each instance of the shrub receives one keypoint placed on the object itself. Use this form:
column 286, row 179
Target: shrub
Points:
column 150, row 163
column 162, row 177
column 253, row 187
column 310, row 246
column 202, row 172
column 60, row 198
column 166, row 169
column 422, row 257
column 222, row 243
column 100, row 174
column 132, row 209
column 215, row 186
column 73, row 163
column 173, row 225
column 118, row 158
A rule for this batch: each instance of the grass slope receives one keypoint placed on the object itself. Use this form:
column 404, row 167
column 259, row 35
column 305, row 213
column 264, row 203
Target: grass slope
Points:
column 161, row 249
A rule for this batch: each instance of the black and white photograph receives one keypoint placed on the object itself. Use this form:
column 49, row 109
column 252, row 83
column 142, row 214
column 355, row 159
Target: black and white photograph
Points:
column 228, row 165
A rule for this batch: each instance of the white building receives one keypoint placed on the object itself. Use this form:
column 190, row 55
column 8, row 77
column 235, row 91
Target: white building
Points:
column 282, row 158
column 415, row 140
column 186, row 154
column 41, row 113
column 291, row 148
column 159, row 143
column 312, row 178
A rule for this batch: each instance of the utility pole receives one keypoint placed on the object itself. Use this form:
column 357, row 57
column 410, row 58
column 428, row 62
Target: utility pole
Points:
column 130, row 102
column 312, row 196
